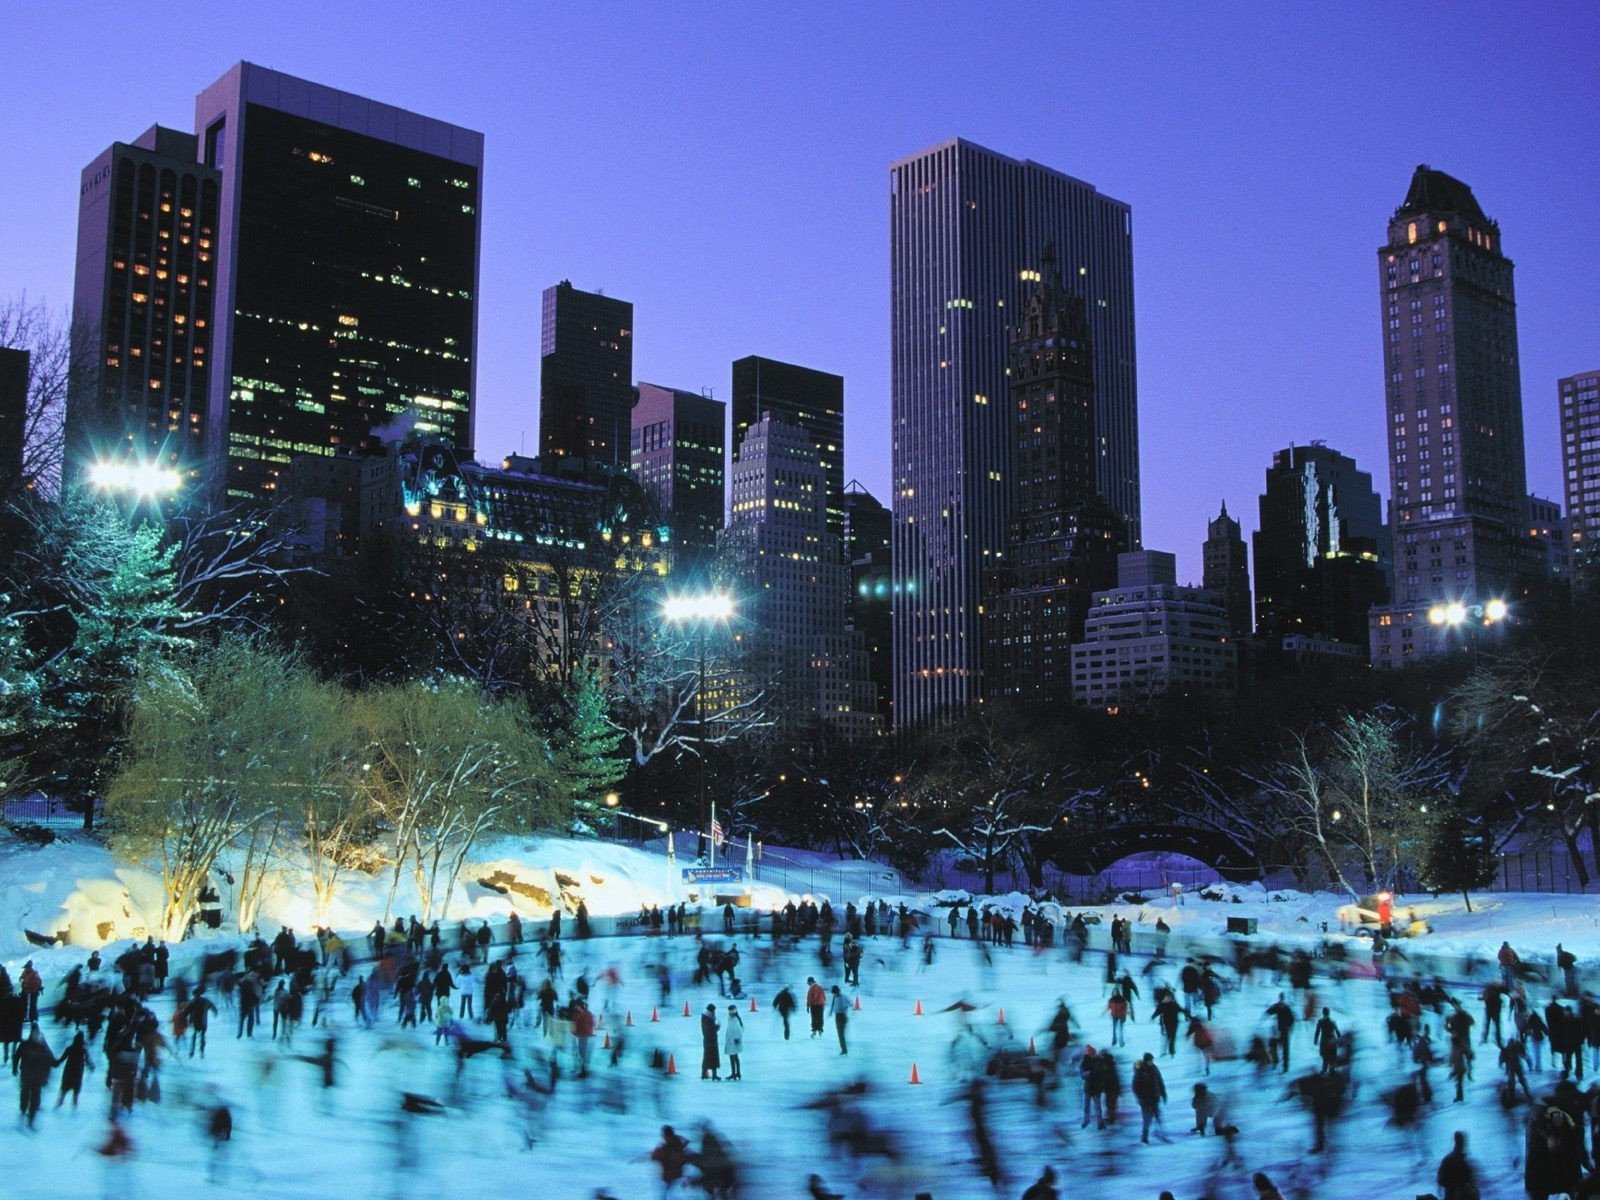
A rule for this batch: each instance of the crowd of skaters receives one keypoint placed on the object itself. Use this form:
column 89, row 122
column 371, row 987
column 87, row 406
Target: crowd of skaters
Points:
column 470, row 981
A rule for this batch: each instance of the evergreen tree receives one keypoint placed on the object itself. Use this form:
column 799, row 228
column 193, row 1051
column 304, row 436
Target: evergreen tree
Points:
column 583, row 751
column 1460, row 857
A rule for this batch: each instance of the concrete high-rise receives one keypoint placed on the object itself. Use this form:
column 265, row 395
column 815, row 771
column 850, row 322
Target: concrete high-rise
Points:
column 142, row 306
column 967, row 227
column 805, row 398
column 1580, row 461
column 1318, row 567
column 1227, row 572
column 585, row 379
column 868, row 532
column 1061, row 539
column 679, row 446
column 793, row 587
column 1458, row 486
column 346, row 273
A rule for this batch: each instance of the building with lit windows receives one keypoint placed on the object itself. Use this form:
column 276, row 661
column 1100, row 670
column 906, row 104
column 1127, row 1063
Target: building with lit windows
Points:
column 1547, row 529
column 142, row 306
column 679, row 448
column 1227, row 570
column 967, row 227
column 346, row 273
column 1149, row 637
column 787, row 573
column 1457, row 476
column 1580, row 461
column 585, row 379
column 805, row 398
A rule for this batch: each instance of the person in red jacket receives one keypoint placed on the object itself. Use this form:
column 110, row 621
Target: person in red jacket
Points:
column 583, row 1030
column 672, row 1154
column 816, row 1004
column 32, row 985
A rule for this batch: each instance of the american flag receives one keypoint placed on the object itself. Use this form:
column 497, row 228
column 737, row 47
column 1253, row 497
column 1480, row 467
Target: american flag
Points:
column 716, row 832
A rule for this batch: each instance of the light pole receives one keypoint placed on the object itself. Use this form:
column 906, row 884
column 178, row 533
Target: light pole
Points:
column 613, row 802
column 700, row 610
column 1472, row 617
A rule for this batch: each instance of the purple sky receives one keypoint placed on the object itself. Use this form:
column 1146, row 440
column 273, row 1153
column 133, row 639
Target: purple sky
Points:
column 725, row 167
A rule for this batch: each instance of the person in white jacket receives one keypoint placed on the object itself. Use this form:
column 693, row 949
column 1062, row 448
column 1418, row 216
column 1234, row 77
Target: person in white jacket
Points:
column 733, row 1041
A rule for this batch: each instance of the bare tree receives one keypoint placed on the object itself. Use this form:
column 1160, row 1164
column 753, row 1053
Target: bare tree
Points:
column 57, row 363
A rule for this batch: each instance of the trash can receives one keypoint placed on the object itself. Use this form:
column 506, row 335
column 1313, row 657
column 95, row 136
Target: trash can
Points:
column 1241, row 924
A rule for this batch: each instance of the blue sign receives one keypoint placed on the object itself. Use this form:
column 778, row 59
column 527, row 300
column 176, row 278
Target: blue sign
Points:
column 713, row 874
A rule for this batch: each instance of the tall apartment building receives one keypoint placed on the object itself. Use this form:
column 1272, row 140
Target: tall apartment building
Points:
column 1580, row 461
column 346, row 274
column 793, row 587
column 805, row 398
column 1061, row 539
column 1458, row 483
column 585, row 379
column 142, row 306
column 1149, row 637
column 1318, row 568
column 966, row 228
column 1227, row 571
column 679, row 446
column 1547, row 530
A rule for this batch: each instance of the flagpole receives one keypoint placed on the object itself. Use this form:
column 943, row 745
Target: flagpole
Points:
column 672, row 859
column 749, row 856
column 711, row 835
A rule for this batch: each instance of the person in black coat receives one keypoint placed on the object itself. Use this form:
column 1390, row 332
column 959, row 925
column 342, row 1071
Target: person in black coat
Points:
column 710, row 1055
column 73, row 1060
column 32, row 1064
column 785, row 1004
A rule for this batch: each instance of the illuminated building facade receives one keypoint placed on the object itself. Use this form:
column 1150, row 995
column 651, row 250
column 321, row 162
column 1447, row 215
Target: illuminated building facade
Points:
column 346, row 273
column 966, row 226
column 142, row 305
column 805, row 398
column 1580, row 460
column 679, row 450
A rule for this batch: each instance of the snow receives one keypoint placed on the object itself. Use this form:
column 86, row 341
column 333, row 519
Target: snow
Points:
column 293, row 1139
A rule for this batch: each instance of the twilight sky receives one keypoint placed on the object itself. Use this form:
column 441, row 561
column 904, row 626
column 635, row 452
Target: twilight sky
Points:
column 725, row 168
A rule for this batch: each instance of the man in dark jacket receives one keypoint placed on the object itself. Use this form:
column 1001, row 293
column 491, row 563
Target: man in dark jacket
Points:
column 1151, row 1092
column 32, row 1063
column 785, row 1004
column 1458, row 1178
column 74, row 1059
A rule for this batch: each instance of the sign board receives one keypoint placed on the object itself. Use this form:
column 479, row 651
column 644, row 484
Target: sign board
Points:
column 713, row 874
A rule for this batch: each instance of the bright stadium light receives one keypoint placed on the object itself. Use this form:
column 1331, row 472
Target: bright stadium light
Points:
column 145, row 480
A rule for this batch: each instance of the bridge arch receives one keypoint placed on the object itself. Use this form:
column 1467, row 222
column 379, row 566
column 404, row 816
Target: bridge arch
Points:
column 1089, row 856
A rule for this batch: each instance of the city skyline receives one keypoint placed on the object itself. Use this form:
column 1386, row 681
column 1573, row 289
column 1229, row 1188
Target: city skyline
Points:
column 722, row 261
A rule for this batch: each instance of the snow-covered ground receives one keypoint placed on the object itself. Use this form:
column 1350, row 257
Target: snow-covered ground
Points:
column 293, row 1139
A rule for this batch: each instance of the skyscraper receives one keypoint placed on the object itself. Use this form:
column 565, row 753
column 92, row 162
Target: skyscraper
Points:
column 142, row 305
column 1458, row 485
column 585, row 378
column 1061, row 539
column 1318, row 570
column 347, row 273
column 793, row 586
column 1580, row 462
column 967, row 227
column 13, row 414
column 867, row 536
column 805, row 398
column 679, row 445
column 1227, row 573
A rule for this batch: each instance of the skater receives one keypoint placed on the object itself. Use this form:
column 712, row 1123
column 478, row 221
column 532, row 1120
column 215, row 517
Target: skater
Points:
column 1282, row 1014
column 733, row 1041
column 74, row 1061
column 672, row 1155
column 1044, row 1188
column 710, row 1060
column 1458, row 1177
column 1150, row 1090
column 32, row 1064
column 1326, row 1038
column 816, row 1003
column 784, row 1004
column 840, row 1007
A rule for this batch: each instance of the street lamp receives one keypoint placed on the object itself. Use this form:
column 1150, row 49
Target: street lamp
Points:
column 700, row 610
column 1473, row 617
column 142, row 480
column 613, row 802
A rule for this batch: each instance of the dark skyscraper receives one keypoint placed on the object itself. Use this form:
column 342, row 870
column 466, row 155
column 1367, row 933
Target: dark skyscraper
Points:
column 1580, row 461
column 1061, row 539
column 679, row 448
column 966, row 228
column 585, row 378
column 867, row 534
column 804, row 398
column 1316, row 548
column 1458, row 486
column 347, row 272
column 1226, row 571
column 142, row 305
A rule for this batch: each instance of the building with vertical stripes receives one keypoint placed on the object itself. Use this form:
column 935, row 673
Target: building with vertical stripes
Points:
column 967, row 232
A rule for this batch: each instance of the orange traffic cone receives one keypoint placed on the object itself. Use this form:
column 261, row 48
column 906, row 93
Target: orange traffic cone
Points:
column 914, row 1078
column 606, row 1045
column 1031, row 1050
column 918, row 1013
column 672, row 1064
column 858, row 1001
column 1002, row 1019
column 630, row 1018
column 686, row 1008
column 654, row 1015
column 753, row 1004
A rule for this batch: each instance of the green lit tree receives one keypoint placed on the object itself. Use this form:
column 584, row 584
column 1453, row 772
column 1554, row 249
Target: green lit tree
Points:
column 583, row 752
